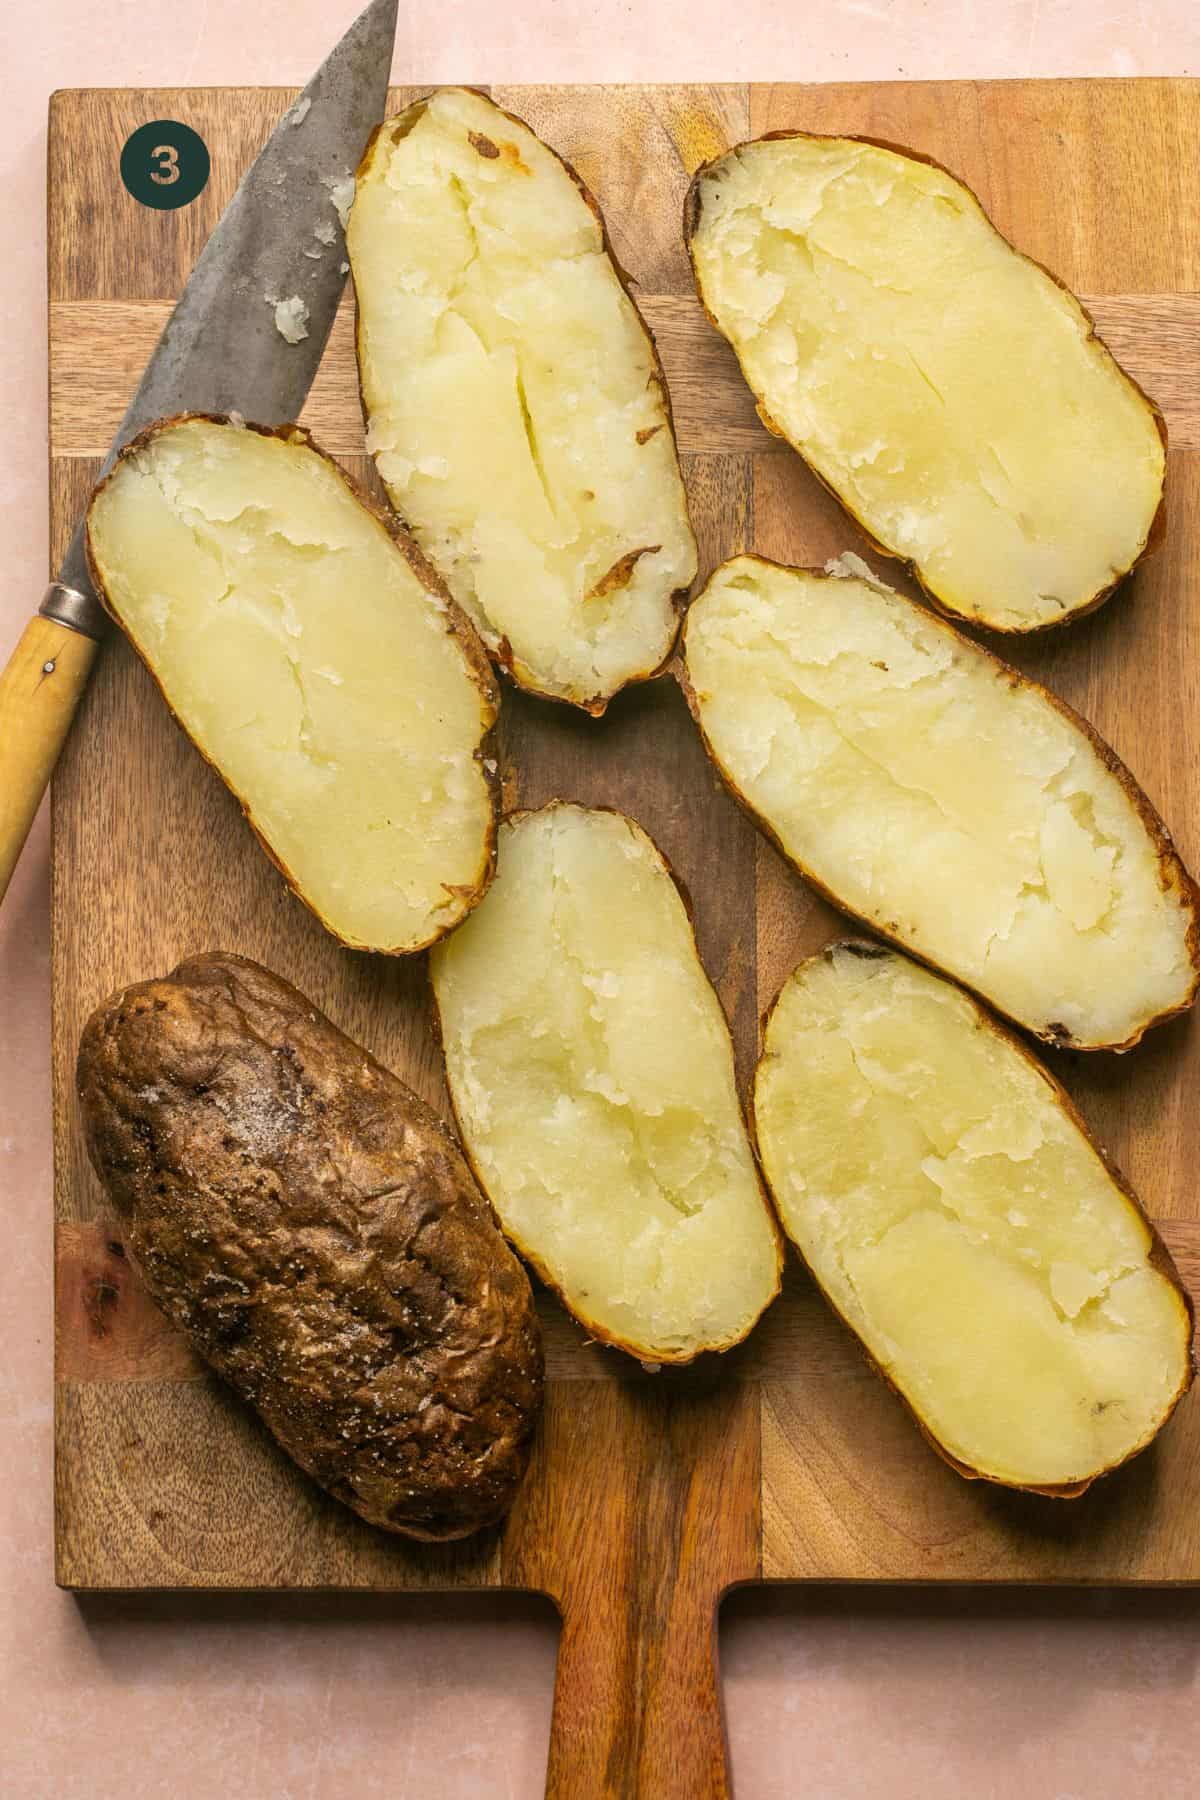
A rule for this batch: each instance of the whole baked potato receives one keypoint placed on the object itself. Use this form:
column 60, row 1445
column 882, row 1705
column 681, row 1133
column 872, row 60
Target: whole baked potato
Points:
column 312, row 1227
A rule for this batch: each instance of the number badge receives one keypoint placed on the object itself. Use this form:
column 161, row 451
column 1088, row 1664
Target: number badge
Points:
column 164, row 164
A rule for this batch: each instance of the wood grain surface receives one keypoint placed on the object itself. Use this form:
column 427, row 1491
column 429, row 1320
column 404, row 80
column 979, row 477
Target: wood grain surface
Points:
column 785, row 1460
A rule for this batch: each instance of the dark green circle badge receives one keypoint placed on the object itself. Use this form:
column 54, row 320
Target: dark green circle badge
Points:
column 164, row 164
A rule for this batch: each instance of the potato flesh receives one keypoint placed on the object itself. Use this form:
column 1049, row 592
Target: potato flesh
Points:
column 963, row 1225
column 901, row 767
column 304, row 656
column 514, row 411
column 592, row 1076
column 946, row 388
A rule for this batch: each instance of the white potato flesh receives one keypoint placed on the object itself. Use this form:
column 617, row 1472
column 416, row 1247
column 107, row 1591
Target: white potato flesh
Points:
column 342, row 699
column 592, row 1077
column 947, row 389
column 943, row 799
column 960, row 1220
column 514, row 403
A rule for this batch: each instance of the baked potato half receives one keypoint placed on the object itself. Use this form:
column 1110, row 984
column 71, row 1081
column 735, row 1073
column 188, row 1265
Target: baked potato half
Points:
column 315, row 659
column 591, row 1073
column 515, row 404
column 951, row 393
column 952, row 1207
column 312, row 1227
column 945, row 800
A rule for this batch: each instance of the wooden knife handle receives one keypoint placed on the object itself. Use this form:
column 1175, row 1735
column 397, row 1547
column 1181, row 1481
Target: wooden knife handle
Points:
column 39, row 691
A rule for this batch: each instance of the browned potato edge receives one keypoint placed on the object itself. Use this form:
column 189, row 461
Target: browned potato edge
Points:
column 596, row 1332
column 1158, row 525
column 1160, row 1257
column 398, row 127
column 1171, row 871
column 459, row 626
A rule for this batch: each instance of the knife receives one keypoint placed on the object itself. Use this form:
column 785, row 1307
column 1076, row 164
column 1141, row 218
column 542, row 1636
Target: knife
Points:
column 220, row 351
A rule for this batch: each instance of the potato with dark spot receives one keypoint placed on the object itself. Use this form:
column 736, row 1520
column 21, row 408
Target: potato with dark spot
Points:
column 515, row 403
column 312, row 1227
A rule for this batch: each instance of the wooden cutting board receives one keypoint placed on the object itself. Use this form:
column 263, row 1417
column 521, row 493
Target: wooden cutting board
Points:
column 786, row 1460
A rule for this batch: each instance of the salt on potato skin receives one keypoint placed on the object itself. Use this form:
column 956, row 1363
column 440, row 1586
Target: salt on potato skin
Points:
column 310, row 1224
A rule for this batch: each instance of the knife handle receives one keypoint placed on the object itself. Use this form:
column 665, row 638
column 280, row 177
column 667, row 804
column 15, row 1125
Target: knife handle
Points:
column 39, row 691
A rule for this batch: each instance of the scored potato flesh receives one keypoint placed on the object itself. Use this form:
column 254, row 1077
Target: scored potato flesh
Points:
column 514, row 405
column 302, row 653
column 948, row 390
column 940, row 797
column 959, row 1219
column 592, row 1076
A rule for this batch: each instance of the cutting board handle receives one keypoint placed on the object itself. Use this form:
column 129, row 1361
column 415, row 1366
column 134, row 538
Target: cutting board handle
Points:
column 648, row 1511
column 637, row 1715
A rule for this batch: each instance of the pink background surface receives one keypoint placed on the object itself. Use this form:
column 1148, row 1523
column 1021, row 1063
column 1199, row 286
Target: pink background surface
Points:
column 840, row 1695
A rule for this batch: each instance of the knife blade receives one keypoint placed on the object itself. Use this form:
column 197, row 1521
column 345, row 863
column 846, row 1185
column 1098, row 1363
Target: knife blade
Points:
column 220, row 351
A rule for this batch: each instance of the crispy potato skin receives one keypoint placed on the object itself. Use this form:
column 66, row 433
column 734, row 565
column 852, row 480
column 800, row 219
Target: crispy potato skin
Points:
column 692, row 209
column 1160, row 1257
column 596, row 1331
column 312, row 1227
column 1172, row 873
column 459, row 626
column 521, row 677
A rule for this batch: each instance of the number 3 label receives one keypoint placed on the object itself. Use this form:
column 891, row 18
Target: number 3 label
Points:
column 168, row 164
column 164, row 164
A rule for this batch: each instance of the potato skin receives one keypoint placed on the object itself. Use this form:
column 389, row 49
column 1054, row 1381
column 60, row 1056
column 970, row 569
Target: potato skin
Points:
column 1160, row 1257
column 312, row 1227
column 1171, row 871
column 1158, row 525
column 399, row 126
column 459, row 626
